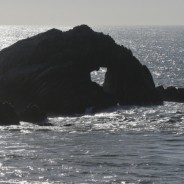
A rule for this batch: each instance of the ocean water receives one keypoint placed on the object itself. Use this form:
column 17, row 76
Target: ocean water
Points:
column 124, row 145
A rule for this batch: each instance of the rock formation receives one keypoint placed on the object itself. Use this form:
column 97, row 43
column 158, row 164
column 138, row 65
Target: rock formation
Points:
column 171, row 94
column 35, row 115
column 8, row 115
column 52, row 69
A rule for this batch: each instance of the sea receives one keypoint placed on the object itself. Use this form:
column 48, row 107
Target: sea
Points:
column 121, row 145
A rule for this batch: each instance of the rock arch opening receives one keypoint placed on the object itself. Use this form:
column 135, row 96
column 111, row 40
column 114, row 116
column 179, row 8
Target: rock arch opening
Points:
column 98, row 76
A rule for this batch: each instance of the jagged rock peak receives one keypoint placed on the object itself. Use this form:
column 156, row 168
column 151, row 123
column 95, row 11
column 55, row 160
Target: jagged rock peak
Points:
column 78, row 29
column 82, row 28
column 54, row 30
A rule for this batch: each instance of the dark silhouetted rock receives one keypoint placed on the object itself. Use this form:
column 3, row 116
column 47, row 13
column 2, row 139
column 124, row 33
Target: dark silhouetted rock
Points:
column 52, row 69
column 171, row 94
column 130, row 82
column 34, row 114
column 8, row 115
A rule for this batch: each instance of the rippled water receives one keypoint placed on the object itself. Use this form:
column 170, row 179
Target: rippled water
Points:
column 124, row 145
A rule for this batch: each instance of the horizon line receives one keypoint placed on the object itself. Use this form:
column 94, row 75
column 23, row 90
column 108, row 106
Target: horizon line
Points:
column 93, row 25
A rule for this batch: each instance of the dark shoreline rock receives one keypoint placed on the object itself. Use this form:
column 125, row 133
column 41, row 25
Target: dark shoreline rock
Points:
column 35, row 115
column 171, row 94
column 52, row 70
column 8, row 115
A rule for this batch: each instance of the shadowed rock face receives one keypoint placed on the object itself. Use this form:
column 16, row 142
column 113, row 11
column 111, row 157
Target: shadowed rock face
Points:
column 171, row 94
column 8, row 115
column 35, row 115
column 52, row 69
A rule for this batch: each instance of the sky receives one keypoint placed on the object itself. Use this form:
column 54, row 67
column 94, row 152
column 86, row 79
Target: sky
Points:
column 91, row 12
